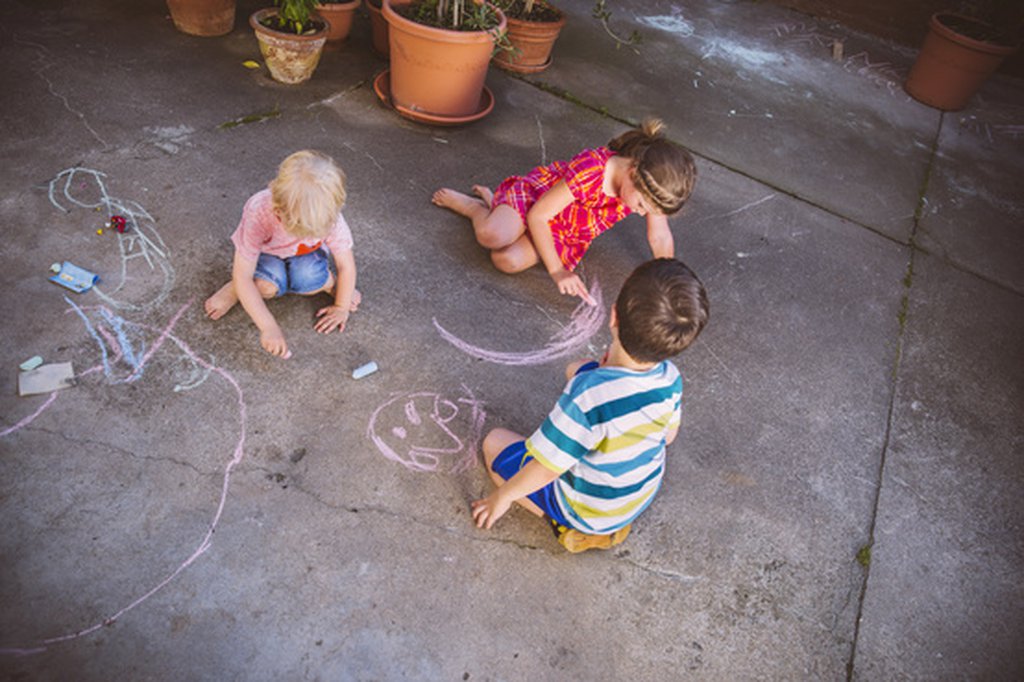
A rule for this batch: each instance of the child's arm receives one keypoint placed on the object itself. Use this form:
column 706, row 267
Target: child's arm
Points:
column 550, row 204
column 530, row 478
column 659, row 236
column 335, row 316
column 271, row 337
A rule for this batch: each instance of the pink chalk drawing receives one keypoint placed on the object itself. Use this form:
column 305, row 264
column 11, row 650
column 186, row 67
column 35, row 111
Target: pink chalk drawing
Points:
column 124, row 358
column 140, row 241
column 586, row 320
column 426, row 432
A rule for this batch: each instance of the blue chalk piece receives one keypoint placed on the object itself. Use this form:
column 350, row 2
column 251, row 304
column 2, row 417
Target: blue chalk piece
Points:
column 75, row 278
column 365, row 370
column 31, row 363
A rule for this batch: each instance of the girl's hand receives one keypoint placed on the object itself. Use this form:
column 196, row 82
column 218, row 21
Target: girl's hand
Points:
column 273, row 342
column 331, row 317
column 489, row 510
column 571, row 284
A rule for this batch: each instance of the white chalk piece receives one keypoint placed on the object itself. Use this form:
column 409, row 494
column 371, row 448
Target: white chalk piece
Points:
column 365, row 370
column 31, row 363
column 287, row 354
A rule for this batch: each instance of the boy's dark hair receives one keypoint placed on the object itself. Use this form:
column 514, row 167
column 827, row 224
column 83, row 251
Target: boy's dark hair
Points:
column 661, row 309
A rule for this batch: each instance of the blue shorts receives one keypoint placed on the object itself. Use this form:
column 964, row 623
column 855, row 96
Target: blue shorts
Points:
column 508, row 463
column 303, row 274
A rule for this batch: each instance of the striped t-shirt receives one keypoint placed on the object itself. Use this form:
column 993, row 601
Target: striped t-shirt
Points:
column 606, row 436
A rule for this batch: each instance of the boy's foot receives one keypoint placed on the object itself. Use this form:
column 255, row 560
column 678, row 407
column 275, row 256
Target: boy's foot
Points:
column 575, row 541
column 221, row 302
column 463, row 204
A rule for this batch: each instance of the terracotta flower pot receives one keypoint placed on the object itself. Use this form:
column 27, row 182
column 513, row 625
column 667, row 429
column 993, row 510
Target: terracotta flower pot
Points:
column 532, row 42
column 436, row 71
column 291, row 58
column 203, row 17
column 378, row 28
column 339, row 15
column 952, row 66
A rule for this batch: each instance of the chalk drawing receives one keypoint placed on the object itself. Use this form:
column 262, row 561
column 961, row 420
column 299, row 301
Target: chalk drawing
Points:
column 585, row 321
column 122, row 337
column 426, row 432
column 140, row 241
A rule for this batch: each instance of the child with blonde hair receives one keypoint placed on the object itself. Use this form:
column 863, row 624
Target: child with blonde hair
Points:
column 289, row 236
column 553, row 213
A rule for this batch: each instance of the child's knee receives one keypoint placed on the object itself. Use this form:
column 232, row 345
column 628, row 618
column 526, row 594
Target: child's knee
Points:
column 266, row 288
column 510, row 261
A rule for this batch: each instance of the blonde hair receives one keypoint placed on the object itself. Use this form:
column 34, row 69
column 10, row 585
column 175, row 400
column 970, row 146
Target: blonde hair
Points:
column 663, row 172
column 308, row 193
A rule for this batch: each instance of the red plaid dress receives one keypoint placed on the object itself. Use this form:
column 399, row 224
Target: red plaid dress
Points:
column 591, row 213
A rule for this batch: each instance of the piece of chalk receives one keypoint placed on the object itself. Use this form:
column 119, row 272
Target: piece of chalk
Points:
column 55, row 267
column 31, row 363
column 364, row 370
column 287, row 354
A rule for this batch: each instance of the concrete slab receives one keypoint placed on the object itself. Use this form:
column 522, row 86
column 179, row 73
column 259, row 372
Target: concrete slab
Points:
column 943, row 598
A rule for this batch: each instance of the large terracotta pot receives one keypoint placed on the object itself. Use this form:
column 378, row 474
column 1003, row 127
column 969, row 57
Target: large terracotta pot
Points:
column 532, row 42
column 436, row 71
column 203, row 17
column 378, row 28
column 291, row 58
column 952, row 66
column 339, row 15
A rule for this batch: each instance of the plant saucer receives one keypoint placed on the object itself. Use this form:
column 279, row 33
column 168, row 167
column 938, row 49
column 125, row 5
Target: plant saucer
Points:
column 382, row 86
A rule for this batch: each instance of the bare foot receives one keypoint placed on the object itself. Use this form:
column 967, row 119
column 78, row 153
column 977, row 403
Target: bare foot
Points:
column 463, row 204
column 221, row 302
column 486, row 194
column 357, row 298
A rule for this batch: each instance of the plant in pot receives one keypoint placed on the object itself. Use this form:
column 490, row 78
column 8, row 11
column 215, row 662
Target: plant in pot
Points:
column 339, row 16
column 203, row 17
column 291, row 37
column 533, row 27
column 961, row 51
column 440, row 51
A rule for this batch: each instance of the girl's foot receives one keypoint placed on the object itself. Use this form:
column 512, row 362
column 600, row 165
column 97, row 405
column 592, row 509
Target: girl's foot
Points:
column 485, row 194
column 221, row 302
column 463, row 204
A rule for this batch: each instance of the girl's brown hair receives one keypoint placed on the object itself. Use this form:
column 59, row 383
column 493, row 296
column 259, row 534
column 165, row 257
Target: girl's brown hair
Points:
column 663, row 172
column 308, row 193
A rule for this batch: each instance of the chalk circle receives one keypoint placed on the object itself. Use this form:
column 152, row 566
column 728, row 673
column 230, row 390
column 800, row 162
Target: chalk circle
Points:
column 97, row 489
column 427, row 432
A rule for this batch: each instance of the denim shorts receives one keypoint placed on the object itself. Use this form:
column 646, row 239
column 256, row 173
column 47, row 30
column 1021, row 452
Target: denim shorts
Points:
column 508, row 463
column 303, row 274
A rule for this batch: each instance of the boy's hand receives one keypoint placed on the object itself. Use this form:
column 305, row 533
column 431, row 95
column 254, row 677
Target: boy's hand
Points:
column 571, row 284
column 489, row 509
column 331, row 317
column 273, row 342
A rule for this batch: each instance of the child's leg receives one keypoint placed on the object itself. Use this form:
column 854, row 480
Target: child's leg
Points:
column 518, row 256
column 494, row 228
column 496, row 442
column 225, row 298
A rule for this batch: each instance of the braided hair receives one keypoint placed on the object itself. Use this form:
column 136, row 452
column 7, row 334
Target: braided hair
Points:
column 663, row 172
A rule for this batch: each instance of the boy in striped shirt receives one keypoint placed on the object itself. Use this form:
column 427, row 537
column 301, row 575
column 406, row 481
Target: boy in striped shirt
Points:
column 598, row 459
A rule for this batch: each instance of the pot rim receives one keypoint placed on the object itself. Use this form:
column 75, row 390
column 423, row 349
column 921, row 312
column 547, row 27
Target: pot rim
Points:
column 443, row 34
column 254, row 22
column 340, row 6
column 935, row 24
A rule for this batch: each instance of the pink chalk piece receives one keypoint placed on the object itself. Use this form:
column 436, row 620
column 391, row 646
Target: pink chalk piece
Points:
column 287, row 355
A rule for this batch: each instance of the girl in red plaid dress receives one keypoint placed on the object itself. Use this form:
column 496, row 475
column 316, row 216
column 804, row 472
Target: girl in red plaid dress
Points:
column 551, row 214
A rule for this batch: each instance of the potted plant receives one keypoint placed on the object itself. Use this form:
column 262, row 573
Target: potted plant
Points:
column 291, row 37
column 533, row 27
column 440, row 51
column 959, row 53
column 339, row 16
column 203, row 17
column 378, row 27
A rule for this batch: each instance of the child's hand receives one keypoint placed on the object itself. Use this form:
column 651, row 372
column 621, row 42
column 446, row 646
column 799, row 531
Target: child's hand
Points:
column 489, row 510
column 571, row 284
column 273, row 342
column 330, row 317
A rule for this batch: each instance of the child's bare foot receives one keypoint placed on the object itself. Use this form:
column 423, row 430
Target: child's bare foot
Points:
column 463, row 204
column 485, row 194
column 357, row 298
column 221, row 302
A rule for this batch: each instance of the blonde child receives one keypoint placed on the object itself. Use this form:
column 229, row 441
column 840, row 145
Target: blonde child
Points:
column 552, row 214
column 288, row 234
column 598, row 459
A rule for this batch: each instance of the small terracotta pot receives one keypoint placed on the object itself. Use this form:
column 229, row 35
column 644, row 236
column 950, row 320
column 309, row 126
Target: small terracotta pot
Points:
column 339, row 15
column 291, row 58
column 203, row 17
column 437, row 71
column 951, row 67
column 379, row 29
column 532, row 42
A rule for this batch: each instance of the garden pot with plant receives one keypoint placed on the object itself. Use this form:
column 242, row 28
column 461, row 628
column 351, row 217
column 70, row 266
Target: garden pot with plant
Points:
column 440, row 51
column 203, row 17
column 958, row 55
column 291, row 37
column 533, row 27
column 339, row 16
